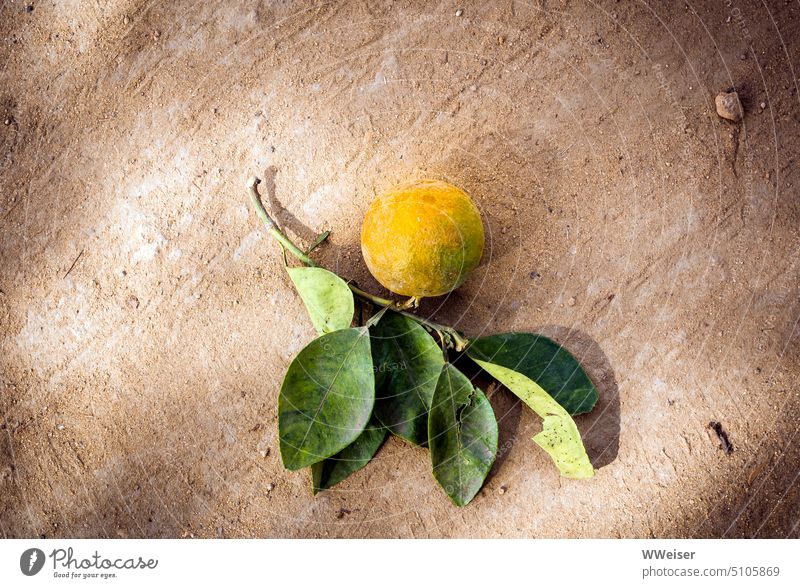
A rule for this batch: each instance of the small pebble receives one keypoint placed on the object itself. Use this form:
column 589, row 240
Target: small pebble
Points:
column 459, row 12
column 270, row 487
column 132, row 302
column 743, row 56
column 728, row 106
column 763, row 105
column 156, row 34
column 571, row 301
column 7, row 121
column 125, row 20
column 503, row 489
column 60, row 427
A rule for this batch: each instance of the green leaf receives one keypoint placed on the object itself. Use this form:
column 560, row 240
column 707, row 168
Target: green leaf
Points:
column 542, row 360
column 462, row 435
column 407, row 363
column 327, row 297
column 326, row 474
column 559, row 437
column 326, row 397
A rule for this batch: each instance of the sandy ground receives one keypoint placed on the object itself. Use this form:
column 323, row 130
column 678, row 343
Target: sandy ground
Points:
column 146, row 322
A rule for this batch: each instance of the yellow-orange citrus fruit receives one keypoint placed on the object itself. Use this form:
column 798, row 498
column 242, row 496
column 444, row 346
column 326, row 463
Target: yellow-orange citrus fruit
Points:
column 422, row 239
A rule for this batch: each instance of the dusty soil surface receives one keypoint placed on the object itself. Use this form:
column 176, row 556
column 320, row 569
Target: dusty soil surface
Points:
column 146, row 321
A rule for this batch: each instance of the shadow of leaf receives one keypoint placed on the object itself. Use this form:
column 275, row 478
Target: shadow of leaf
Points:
column 600, row 428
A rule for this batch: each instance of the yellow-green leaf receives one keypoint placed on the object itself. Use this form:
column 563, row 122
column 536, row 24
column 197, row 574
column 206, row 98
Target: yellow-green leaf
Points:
column 327, row 297
column 559, row 437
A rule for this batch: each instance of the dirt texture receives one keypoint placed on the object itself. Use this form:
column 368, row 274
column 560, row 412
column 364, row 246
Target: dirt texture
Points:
column 146, row 320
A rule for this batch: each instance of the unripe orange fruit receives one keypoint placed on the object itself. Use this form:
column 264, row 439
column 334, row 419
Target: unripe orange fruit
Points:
column 422, row 239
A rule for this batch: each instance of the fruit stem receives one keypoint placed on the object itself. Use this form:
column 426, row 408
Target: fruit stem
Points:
column 459, row 342
column 412, row 302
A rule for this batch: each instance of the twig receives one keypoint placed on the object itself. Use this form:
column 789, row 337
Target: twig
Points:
column 272, row 227
column 722, row 435
column 73, row 264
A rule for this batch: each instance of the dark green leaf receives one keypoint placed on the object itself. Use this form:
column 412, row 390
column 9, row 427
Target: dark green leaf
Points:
column 545, row 362
column 462, row 436
column 326, row 397
column 327, row 473
column 407, row 363
column 327, row 297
